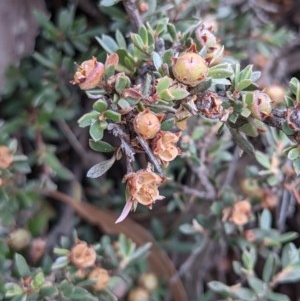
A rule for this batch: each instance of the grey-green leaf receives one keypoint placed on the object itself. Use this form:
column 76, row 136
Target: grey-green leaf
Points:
column 101, row 168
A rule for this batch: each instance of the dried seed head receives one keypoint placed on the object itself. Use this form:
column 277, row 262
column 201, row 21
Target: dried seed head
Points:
column 190, row 69
column 164, row 146
column 82, row 255
column 210, row 105
column 143, row 186
column 101, row 276
column 147, row 124
column 88, row 74
column 6, row 158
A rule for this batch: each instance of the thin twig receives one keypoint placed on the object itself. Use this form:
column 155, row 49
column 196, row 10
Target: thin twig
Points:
column 133, row 13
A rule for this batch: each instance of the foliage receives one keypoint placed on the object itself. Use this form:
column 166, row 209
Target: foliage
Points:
column 171, row 112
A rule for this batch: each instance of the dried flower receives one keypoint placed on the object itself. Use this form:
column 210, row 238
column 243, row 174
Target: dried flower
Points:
column 164, row 146
column 88, row 74
column 261, row 106
column 293, row 118
column 190, row 68
column 101, row 276
column 82, row 255
column 210, row 105
column 147, row 124
column 239, row 214
column 6, row 158
column 142, row 186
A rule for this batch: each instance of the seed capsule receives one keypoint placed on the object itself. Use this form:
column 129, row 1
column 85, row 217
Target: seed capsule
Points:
column 147, row 124
column 190, row 69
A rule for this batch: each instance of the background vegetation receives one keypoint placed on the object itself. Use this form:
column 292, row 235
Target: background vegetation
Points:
column 228, row 226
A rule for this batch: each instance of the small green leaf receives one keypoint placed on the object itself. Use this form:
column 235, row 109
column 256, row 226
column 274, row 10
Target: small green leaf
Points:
column 107, row 43
column 172, row 31
column 137, row 41
column 260, row 287
column 38, row 280
column 12, row 289
column 122, row 83
column 157, row 61
column 96, row 131
column 219, row 287
column 290, row 255
column 168, row 124
column 269, row 268
column 100, row 106
column 167, row 57
column 277, row 297
column 263, row 159
column 120, row 39
column 244, row 293
column 243, row 84
column 178, row 93
column 143, row 33
column 48, row 292
column 140, row 253
column 296, row 165
column 88, row 119
column 294, row 153
column 220, row 71
column 109, row 2
column 112, row 115
column 60, row 262
column 101, row 168
column 163, row 84
column 265, row 220
column 101, row 146
column 22, row 266
column 166, row 95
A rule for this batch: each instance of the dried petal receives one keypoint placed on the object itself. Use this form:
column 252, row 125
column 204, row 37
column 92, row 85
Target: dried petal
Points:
column 82, row 255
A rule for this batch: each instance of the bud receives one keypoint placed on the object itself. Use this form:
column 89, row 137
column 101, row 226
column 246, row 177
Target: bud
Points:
column 147, row 124
column 82, row 255
column 19, row 239
column 261, row 107
column 101, row 276
column 276, row 93
column 88, row 74
column 148, row 281
column 190, row 68
column 6, row 158
column 138, row 294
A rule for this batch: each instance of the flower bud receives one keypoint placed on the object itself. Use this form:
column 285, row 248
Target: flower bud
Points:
column 88, row 74
column 276, row 93
column 19, row 239
column 101, row 276
column 190, row 69
column 6, row 158
column 148, row 281
column 138, row 294
column 261, row 106
column 147, row 124
column 82, row 255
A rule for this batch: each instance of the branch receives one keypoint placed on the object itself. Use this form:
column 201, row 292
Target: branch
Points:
column 133, row 13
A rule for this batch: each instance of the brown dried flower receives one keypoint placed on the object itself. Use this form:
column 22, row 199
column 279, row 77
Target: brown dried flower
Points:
column 101, row 276
column 82, row 255
column 143, row 186
column 88, row 74
column 164, row 146
column 239, row 214
column 6, row 158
